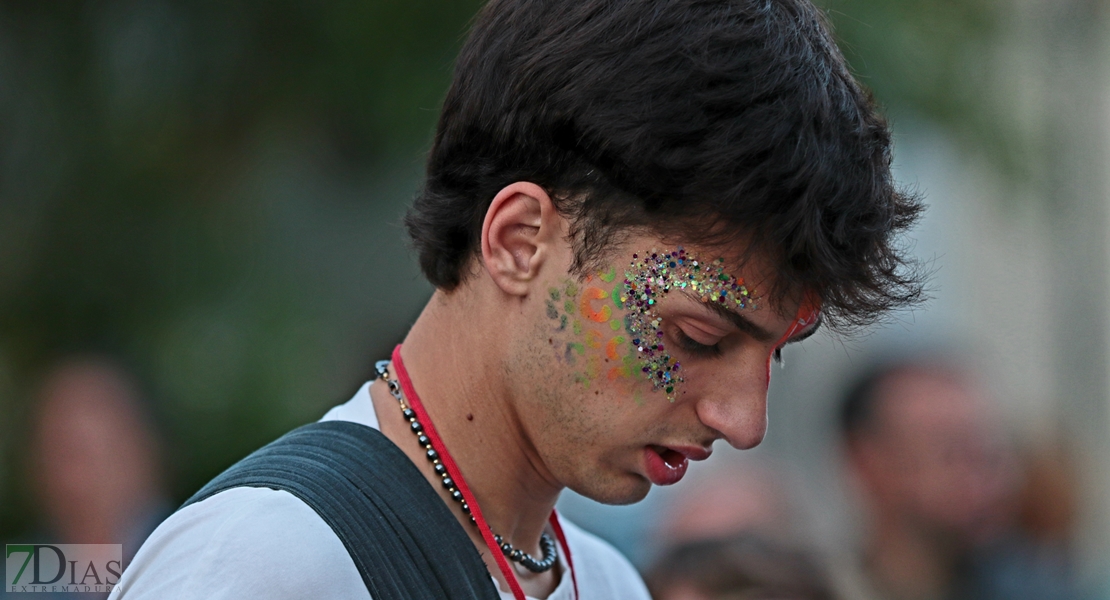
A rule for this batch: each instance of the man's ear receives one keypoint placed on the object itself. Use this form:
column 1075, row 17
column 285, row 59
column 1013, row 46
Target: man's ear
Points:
column 518, row 234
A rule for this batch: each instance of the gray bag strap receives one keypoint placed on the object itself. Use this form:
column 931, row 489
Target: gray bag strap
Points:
column 402, row 537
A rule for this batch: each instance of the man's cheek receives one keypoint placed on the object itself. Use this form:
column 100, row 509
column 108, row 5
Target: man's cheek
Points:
column 609, row 357
column 587, row 326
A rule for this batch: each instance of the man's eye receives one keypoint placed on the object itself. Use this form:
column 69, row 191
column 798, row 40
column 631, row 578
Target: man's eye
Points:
column 694, row 347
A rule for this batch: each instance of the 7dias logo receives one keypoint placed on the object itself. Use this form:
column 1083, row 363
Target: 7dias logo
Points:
column 62, row 567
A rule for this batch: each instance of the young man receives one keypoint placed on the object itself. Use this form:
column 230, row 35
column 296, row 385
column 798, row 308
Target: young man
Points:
column 629, row 209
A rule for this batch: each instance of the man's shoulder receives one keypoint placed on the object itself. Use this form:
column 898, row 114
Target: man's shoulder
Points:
column 601, row 570
column 243, row 542
column 249, row 542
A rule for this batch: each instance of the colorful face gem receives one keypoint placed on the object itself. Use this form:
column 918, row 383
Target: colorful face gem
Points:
column 655, row 274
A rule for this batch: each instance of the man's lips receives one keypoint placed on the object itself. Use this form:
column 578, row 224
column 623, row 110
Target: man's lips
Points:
column 665, row 465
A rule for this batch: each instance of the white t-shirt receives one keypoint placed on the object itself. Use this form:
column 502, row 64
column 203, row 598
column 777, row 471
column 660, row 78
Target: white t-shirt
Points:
column 263, row 543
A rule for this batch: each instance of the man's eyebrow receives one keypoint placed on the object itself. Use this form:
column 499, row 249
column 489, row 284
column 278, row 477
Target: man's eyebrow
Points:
column 738, row 320
column 747, row 326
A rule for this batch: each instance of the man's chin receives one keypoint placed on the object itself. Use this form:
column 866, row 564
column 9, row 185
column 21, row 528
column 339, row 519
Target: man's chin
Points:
column 628, row 489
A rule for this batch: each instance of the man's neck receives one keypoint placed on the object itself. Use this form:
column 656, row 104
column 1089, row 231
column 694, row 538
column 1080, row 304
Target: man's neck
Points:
column 454, row 369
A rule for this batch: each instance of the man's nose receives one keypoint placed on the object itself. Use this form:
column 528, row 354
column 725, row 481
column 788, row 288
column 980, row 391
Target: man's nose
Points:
column 739, row 415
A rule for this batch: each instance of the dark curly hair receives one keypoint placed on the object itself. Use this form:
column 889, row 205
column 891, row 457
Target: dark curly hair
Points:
column 708, row 121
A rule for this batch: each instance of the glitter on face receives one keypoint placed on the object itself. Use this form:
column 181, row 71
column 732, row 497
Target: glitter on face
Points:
column 655, row 274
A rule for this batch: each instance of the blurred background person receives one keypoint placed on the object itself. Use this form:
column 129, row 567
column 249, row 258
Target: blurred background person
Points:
column 736, row 567
column 95, row 462
column 733, row 495
column 1036, row 557
column 733, row 532
column 941, row 486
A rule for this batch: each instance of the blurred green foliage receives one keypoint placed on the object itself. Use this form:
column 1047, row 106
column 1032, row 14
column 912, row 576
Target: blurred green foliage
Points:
column 210, row 190
column 930, row 58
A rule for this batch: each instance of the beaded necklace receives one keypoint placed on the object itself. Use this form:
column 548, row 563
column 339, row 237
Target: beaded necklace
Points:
column 451, row 478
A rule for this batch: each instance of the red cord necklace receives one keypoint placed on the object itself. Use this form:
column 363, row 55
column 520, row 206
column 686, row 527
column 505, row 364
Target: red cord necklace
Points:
column 470, row 504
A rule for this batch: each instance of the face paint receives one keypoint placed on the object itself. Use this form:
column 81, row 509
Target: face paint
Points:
column 572, row 349
column 600, row 315
column 807, row 315
column 634, row 340
column 612, row 347
column 594, row 330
